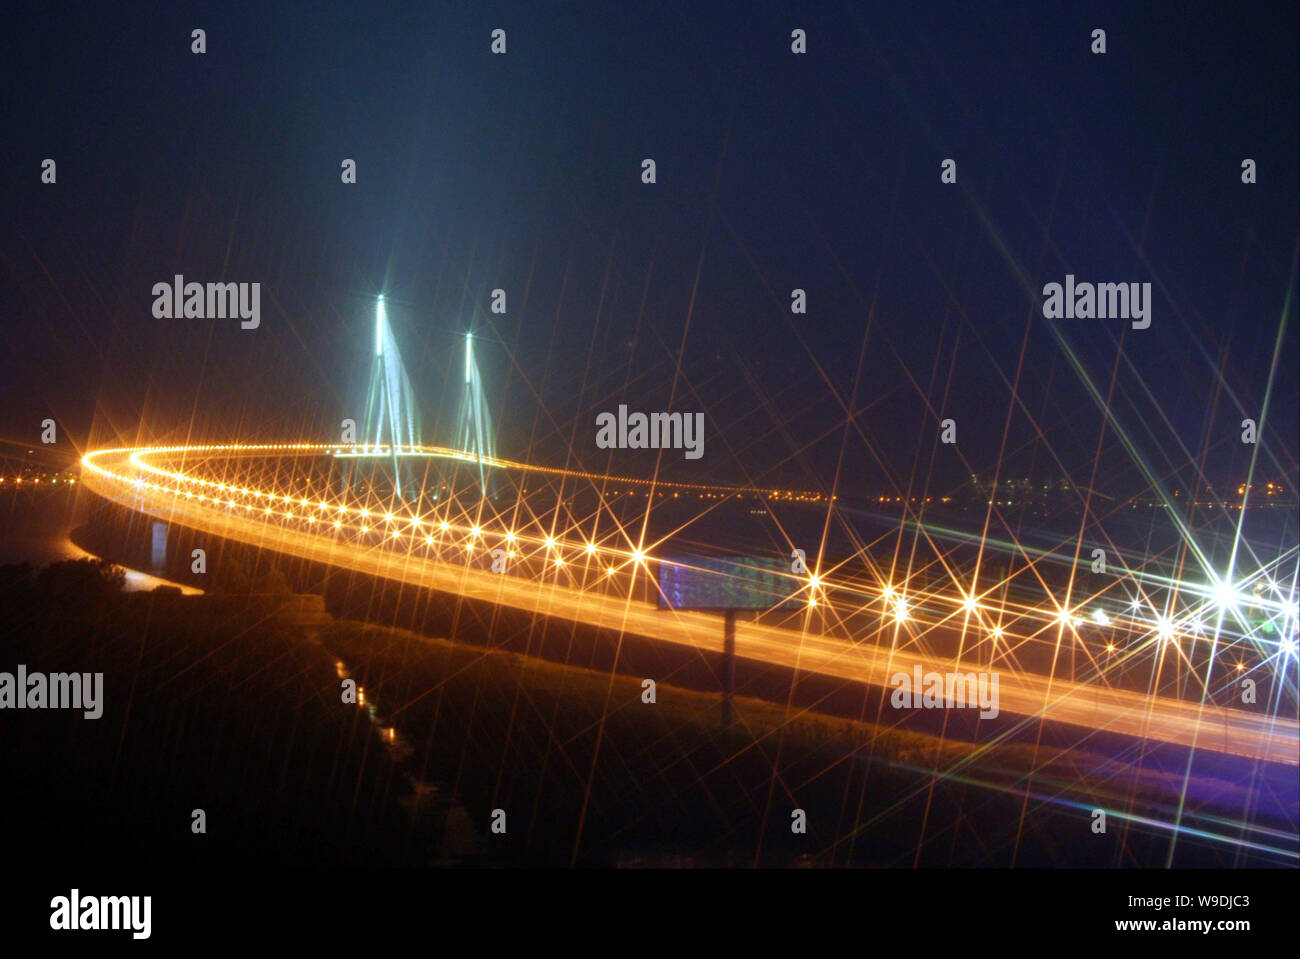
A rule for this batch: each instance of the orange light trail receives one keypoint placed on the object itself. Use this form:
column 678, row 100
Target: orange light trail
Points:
column 150, row 481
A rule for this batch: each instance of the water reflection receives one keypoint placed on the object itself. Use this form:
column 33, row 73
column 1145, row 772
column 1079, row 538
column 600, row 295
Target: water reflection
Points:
column 441, row 824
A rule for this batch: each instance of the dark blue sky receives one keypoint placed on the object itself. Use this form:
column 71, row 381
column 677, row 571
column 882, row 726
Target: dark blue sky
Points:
column 775, row 171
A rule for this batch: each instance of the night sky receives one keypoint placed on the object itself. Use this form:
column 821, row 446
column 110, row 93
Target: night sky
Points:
column 775, row 171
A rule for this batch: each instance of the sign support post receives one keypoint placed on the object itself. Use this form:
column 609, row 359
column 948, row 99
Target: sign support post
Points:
column 728, row 585
column 728, row 667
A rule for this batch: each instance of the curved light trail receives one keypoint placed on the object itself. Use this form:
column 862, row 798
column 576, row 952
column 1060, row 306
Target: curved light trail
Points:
column 608, row 582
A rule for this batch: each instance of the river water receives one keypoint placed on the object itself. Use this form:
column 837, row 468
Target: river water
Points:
column 36, row 526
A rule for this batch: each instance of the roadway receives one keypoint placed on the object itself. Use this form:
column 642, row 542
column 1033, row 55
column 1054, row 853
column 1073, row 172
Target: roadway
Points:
column 1091, row 706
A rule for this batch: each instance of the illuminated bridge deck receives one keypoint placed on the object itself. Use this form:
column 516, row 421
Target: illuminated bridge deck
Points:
column 157, row 482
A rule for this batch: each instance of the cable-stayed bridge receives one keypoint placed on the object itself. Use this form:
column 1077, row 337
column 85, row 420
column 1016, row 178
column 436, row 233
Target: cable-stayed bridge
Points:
column 391, row 426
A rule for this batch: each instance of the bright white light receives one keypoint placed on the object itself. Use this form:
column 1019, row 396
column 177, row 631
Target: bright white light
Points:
column 1100, row 618
column 1164, row 628
column 1225, row 595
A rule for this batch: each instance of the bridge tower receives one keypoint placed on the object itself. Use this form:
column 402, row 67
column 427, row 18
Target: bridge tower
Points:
column 392, row 419
column 474, row 432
